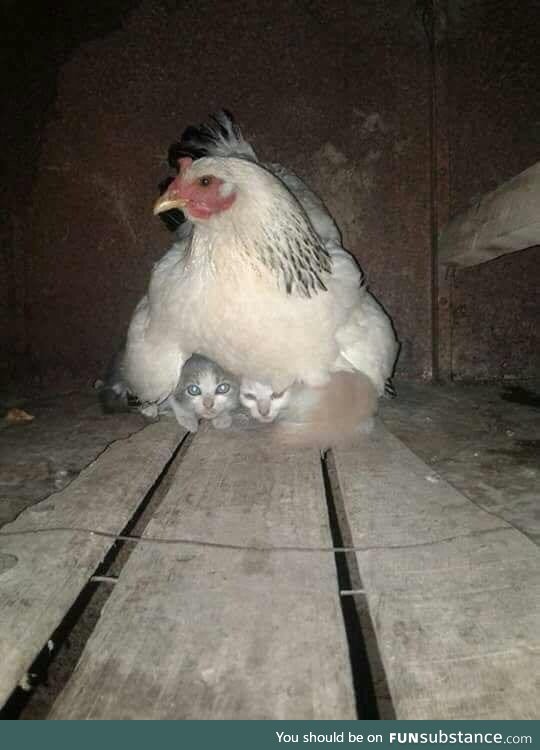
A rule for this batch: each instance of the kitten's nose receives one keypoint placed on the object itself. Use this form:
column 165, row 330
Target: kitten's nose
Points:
column 208, row 402
column 264, row 408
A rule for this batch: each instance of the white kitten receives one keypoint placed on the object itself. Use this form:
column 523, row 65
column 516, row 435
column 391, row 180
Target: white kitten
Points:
column 261, row 401
column 330, row 415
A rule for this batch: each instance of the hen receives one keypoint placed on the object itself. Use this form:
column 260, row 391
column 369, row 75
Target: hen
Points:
column 257, row 281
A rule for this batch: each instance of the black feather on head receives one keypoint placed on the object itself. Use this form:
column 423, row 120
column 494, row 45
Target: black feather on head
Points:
column 202, row 140
column 197, row 142
column 186, row 147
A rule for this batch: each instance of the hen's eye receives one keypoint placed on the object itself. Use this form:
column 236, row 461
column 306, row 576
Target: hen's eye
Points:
column 193, row 390
column 205, row 181
column 249, row 396
column 223, row 388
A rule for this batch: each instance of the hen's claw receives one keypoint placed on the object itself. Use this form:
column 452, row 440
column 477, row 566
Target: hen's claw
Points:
column 149, row 410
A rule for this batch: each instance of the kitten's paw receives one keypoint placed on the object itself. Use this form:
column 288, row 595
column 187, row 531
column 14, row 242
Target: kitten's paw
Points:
column 189, row 423
column 222, row 422
column 185, row 420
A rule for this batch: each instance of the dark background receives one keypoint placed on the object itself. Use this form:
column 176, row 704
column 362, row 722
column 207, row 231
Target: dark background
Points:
column 340, row 91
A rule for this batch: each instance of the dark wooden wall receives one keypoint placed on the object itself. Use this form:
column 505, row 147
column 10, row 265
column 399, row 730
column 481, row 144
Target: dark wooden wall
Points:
column 494, row 133
column 339, row 91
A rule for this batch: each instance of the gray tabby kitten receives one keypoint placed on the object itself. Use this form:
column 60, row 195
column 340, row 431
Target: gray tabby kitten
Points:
column 205, row 391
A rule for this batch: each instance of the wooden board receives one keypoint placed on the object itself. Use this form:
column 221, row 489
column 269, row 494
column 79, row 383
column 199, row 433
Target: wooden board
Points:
column 453, row 591
column 41, row 574
column 436, row 27
column 503, row 221
column 197, row 632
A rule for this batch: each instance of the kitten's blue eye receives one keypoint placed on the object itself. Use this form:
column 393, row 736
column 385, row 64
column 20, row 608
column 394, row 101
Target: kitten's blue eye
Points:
column 223, row 388
column 193, row 390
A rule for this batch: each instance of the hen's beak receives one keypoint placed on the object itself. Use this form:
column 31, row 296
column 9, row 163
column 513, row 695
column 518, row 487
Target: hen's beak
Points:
column 168, row 201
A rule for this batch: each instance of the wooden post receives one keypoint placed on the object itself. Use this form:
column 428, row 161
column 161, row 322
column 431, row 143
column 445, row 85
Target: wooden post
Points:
column 435, row 25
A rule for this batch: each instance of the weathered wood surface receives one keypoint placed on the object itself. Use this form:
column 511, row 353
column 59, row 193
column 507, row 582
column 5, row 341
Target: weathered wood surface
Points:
column 195, row 632
column 503, row 221
column 453, row 591
column 442, row 282
column 41, row 574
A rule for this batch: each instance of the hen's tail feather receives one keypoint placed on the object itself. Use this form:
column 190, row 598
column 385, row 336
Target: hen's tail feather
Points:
column 219, row 136
column 113, row 398
column 389, row 390
column 339, row 413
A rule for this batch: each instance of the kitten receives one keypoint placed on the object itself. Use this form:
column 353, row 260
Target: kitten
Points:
column 331, row 415
column 261, row 401
column 205, row 391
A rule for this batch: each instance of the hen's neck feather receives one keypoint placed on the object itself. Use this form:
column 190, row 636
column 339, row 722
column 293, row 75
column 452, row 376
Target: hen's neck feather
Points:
column 267, row 228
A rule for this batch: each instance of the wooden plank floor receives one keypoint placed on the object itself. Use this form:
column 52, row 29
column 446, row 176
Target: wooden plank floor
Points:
column 201, row 632
column 42, row 574
column 453, row 591
column 233, row 629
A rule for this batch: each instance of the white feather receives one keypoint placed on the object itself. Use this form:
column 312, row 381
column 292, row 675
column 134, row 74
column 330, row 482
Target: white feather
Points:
column 212, row 293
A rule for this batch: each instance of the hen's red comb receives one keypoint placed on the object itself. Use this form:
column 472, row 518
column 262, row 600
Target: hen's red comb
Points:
column 184, row 163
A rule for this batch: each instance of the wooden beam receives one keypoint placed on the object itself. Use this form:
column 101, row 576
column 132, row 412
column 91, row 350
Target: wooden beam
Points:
column 453, row 590
column 503, row 221
column 43, row 569
column 435, row 20
column 218, row 632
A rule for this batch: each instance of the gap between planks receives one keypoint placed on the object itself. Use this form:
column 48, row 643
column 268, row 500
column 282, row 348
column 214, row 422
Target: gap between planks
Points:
column 224, row 632
column 49, row 573
column 452, row 590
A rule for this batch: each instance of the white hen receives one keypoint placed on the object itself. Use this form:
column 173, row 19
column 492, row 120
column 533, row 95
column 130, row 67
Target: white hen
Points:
column 259, row 280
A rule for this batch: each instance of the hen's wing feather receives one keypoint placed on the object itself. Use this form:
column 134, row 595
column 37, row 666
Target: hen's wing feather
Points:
column 153, row 359
column 367, row 341
column 314, row 207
